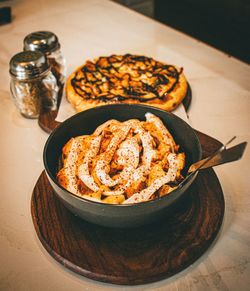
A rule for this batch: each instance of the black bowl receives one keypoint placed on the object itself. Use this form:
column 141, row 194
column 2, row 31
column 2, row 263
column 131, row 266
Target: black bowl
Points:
column 130, row 215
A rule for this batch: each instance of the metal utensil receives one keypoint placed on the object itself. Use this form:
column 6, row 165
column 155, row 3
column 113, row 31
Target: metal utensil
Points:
column 221, row 156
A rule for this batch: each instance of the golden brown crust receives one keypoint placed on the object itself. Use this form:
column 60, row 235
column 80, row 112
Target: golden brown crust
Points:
column 141, row 157
column 126, row 79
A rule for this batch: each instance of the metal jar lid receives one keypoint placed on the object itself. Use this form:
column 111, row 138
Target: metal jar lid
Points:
column 28, row 65
column 44, row 41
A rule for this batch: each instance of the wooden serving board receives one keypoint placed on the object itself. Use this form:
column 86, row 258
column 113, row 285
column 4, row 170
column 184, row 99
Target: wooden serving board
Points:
column 48, row 123
column 132, row 256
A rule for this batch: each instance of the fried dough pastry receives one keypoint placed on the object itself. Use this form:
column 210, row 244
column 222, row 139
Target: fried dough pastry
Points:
column 122, row 162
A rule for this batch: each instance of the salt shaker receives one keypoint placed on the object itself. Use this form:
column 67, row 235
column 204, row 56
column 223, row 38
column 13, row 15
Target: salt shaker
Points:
column 47, row 42
column 33, row 87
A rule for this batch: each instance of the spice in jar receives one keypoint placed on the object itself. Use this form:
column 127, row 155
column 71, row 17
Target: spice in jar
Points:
column 47, row 42
column 33, row 86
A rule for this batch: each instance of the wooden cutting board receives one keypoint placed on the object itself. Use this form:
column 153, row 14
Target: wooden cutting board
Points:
column 132, row 256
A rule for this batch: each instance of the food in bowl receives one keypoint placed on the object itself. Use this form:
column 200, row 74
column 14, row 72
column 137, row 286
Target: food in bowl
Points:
column 120, row 215
column 132, row 79
column 123, row 162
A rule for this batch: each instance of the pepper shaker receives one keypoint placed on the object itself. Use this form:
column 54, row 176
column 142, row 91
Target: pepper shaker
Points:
column 47, row 42
column 33, row 86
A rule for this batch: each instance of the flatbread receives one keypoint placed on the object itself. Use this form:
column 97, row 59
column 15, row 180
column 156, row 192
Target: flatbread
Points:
column 126, row 78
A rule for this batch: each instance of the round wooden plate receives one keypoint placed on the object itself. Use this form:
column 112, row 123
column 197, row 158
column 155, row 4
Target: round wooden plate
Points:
column 132, row 256
column 48, row 123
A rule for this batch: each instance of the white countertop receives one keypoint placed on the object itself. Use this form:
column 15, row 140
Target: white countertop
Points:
column 220, row 107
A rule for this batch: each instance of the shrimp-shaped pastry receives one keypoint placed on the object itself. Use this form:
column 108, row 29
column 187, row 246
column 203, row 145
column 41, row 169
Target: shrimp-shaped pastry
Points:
column 102, row 165
column 128, row 156
column 167, row 137
column 67, row 175
column 147, row 156
column 106, row 124
column 83, row 170
column 146, row 193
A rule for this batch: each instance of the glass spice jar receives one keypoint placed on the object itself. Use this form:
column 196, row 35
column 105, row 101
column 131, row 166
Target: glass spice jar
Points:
column 33, row 86
column 47, row 42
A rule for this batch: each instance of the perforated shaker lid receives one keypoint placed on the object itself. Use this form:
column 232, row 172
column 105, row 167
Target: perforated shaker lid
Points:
column 28, row 65
column 45, row 41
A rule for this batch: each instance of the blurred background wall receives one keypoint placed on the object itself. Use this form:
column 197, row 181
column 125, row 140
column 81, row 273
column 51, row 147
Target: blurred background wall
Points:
column 223, row 24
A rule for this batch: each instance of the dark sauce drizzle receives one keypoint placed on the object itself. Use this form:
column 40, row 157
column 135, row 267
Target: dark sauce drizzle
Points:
column 130, row 92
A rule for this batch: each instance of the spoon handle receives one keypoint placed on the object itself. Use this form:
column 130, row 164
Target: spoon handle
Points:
column 221, row 157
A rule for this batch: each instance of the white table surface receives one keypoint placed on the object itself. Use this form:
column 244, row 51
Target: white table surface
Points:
column 220, row 108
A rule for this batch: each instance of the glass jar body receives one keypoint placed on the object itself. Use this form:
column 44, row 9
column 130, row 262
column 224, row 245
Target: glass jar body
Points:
column 31, row 96
column 58, row 66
